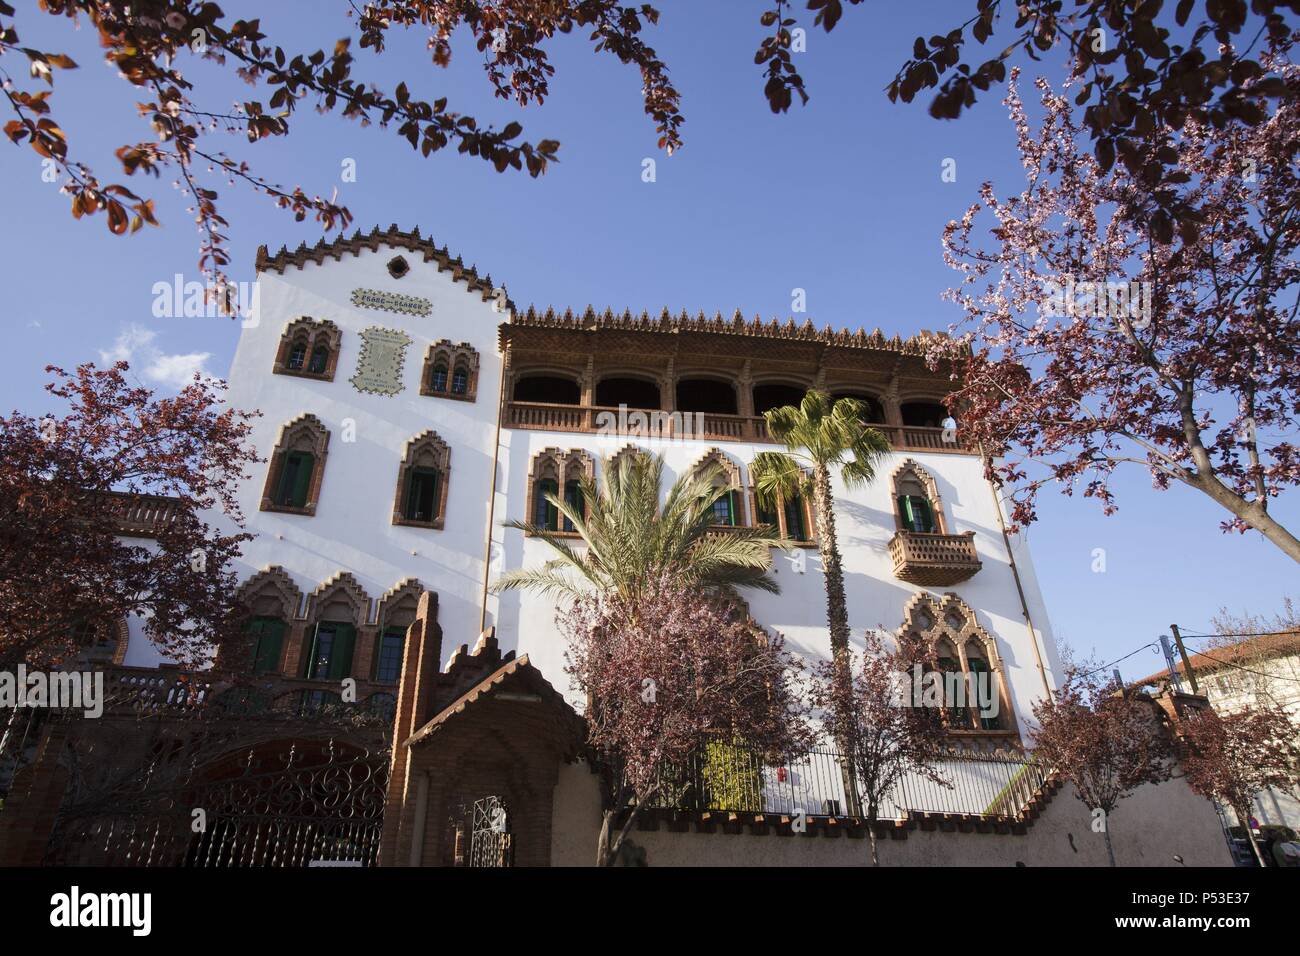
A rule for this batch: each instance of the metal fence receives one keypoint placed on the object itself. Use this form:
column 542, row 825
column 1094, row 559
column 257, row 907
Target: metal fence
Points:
column 726, row 777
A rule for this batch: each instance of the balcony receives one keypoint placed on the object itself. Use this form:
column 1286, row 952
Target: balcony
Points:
column 705, row 426
column 140, row 516
column 933, row 560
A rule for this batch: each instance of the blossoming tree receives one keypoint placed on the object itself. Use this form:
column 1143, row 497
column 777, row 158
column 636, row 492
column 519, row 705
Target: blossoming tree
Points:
column 1098, row 334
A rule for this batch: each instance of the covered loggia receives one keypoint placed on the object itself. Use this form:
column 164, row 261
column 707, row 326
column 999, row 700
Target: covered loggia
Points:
column 620, row 390
column 777, row 395
column 875, row 409
column 923, row 414
column 709, row 395
column 547, row 389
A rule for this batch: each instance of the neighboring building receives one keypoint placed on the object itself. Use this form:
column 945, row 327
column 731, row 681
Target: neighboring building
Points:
column 1258, row 671
column 408, row 410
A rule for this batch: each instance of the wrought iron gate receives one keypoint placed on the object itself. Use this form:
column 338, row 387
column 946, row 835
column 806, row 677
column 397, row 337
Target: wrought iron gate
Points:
column 491, row 843
column 223, row 796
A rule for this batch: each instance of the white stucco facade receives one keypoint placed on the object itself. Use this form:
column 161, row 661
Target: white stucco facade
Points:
column 352, row 528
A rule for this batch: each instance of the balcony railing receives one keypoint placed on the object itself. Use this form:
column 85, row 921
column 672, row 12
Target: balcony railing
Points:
column 707, row 426
column 731, row 779
column 934, row 560
column 141, row 516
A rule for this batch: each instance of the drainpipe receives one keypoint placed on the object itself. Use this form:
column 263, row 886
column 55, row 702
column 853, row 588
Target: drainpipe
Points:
column 492, row 495
column 1015, row 573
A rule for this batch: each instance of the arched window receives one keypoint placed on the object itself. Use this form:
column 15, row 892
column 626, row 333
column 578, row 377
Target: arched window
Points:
column 552, row 470
column 397, row 611
column 791, row 517
column 421, row 496
column 319, row 359
column 460, row 379
column 297, row 467
column 918, row 508
column 272, row 601
column 450, row 371
column 309, row 348
column 438, row 377
column 965, row 656
column 335, row 612
column 728, row 509
column 545, row 514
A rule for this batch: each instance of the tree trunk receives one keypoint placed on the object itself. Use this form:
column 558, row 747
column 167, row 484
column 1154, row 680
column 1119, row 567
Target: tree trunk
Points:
column 837, row 617
column 1110, row 850
column 872, row 810
column 609, row 844
column 1243, row 817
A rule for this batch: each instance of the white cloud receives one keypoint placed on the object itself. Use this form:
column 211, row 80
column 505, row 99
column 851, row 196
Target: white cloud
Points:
column 177, row 370
column 135, row 345
column 129, row 341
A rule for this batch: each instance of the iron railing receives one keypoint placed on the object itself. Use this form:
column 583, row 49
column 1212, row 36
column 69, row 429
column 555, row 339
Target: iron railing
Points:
column 722, row 777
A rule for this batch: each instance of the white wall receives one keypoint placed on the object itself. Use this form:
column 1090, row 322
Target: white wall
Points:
column 864, row 524
column 352, row 528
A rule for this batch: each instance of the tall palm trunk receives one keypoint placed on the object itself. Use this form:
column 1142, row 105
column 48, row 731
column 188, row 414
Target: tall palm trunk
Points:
column 837, row 615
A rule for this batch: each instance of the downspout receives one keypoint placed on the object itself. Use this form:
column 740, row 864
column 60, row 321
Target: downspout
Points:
column 492, row 496
column 1015, row 573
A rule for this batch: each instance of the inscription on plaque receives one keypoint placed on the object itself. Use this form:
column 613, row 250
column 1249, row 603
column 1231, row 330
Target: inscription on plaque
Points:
column 383, row 356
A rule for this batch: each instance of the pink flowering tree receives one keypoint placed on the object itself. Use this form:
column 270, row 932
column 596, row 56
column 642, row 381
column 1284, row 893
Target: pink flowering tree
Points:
column 664, row 675
column 874, row 713
column 1232, row 757
column 1107, row 743
column 1097, row 333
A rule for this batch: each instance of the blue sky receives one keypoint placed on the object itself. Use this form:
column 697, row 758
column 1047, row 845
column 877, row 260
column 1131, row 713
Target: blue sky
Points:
column 842, row 198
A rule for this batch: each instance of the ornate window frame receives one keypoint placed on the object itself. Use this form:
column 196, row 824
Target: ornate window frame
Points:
column 310, row 334
column 732, row 477
column 453, row 358
column 304, row 434
column 397, row 609
column 910, row 468
column 425, row 450
column 562, row 467
column 344, row 589
column 952, row 619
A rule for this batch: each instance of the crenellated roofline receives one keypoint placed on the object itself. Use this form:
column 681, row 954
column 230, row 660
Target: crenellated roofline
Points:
column 392, row 238
column 589, row 320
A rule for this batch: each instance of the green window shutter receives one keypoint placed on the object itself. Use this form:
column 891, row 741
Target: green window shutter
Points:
column 345, row 639
column 302, row 479
column 268, row 641
column 544, row 513
column 905, row 512
column 310, row 657
column 731, row 508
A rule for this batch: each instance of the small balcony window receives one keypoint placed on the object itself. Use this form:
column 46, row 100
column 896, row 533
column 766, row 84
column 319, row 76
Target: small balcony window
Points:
column 295, row 480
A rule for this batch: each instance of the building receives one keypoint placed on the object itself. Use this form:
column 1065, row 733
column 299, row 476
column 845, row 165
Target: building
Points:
column 1258, row 671
column 409, row 409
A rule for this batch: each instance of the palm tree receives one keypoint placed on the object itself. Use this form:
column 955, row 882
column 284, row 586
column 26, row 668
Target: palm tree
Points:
column 630, row 540
column 822, row 434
